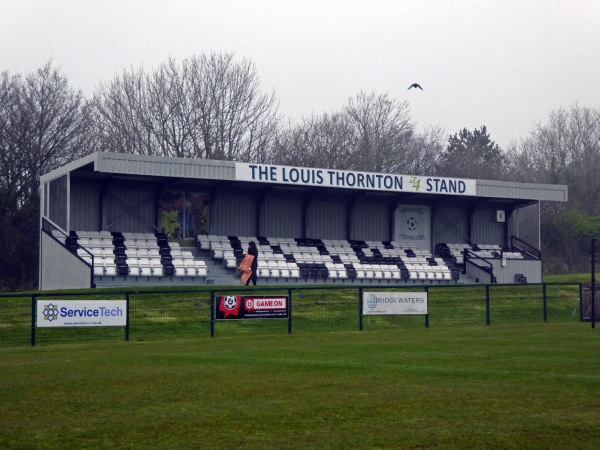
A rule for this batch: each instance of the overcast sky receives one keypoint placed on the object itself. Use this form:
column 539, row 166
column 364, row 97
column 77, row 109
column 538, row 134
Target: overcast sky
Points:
column 505, row 64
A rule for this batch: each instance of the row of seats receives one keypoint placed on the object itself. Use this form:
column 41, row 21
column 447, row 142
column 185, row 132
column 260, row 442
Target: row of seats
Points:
column 331, row 259
column 133, row 254
column 485, row 251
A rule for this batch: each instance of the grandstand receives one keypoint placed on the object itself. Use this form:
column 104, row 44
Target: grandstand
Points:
column 129, row 220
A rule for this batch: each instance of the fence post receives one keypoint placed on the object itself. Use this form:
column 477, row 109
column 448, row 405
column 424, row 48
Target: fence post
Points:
column 593, row 282
column 581, row 302
column 427, row 315
column 289, row 311
column 33, row 317
column 487, row 304
column 360, row 308
column 212, row 313
column 127, row 316
column 545, row 297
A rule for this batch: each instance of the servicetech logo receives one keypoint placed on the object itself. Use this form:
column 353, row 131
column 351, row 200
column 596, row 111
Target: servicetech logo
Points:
column 50, row 312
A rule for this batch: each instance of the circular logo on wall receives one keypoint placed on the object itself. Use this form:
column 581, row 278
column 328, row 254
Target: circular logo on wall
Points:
column 412, row 223
column 249, row 304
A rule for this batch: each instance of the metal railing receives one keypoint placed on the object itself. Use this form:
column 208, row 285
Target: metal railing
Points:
column 176, row 314
column 529, row 250
column 481, row 265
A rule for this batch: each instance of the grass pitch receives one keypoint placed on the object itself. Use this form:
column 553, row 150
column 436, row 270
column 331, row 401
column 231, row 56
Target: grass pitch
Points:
column 503, row 387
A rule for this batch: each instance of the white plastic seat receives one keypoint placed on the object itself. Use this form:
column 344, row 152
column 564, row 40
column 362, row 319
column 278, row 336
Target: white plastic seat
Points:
column 284, row 271
column 178, row 262
column 133, row 261
column 387, row 272
column 341, row 271
column 203, row 242
column 110, row 270
column 217, row 251
column 83, row 254
column 377, row 272
column 84, row 242
column 186, row 254
column 107, row 242
column 96, row 242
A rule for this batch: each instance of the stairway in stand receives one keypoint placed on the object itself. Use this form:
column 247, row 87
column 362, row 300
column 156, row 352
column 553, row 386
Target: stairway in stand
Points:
column 219, row 275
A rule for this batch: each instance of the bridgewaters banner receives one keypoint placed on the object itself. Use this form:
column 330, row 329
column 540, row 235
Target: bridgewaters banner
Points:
column 81, row 313
column 306, row 176
column 230, row 307
column 394, row 303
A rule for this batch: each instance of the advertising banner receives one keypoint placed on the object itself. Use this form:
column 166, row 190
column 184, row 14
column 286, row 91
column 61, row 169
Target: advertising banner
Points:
column 81, row 313
column 232, row 307
column 394, row 303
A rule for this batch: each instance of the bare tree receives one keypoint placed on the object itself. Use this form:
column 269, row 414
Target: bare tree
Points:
column 371, row 133
column 43, row 125
column 205, row 107
column 422, row 152
column 319, row 141
column 381, row 131
column 564, row 150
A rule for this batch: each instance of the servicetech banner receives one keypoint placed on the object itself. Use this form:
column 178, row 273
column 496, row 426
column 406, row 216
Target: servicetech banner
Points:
column 394, row 303
column 81, row 313
column 231, row 307
column 305, row 176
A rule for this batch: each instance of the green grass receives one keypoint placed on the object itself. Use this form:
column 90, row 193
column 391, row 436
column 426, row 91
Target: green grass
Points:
column 506, row 386
column 585, row 278
column 175, row 314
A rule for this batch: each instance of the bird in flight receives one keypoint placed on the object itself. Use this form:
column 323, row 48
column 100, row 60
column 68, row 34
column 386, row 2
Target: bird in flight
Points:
column 415, row 85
